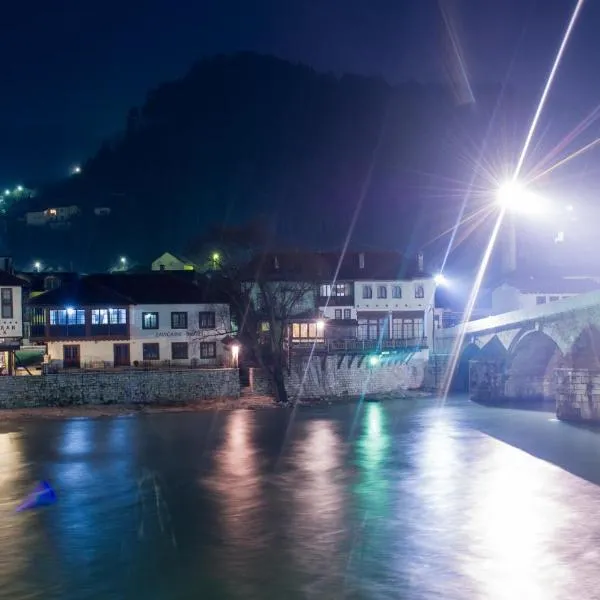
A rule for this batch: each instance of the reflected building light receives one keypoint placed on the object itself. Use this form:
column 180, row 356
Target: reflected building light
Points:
column 319, row 502
column 77, row 437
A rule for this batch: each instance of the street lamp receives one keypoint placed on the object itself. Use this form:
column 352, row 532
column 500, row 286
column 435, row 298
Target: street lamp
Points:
column 37, row 265
column 76, row 170
column 235, row 353
column 7, row 192
column 440, row 279
column 19, row 188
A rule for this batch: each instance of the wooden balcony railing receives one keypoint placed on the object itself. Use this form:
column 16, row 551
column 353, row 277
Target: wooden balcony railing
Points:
column 359, row 346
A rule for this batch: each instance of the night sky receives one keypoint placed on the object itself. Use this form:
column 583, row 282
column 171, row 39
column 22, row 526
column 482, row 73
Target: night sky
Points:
column 70, row 69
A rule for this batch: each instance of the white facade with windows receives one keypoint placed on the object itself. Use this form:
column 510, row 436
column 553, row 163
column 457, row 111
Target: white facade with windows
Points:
column 176, row 334
column 396, row 309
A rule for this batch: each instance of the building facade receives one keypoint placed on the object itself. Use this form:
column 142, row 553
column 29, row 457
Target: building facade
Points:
column 11, row 320
column 149, row 320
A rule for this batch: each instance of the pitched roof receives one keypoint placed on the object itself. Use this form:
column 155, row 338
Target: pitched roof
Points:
column 160, row 287
column 8, row 279
column 124, row 289
column 82, row 292
column 323, row 266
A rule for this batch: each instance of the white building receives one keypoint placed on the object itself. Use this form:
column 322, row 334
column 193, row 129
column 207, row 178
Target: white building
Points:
column 149, row 319
column 516, row 293
column 11, row 319
column 169, row 262
column 58, row 215
column 387, row 296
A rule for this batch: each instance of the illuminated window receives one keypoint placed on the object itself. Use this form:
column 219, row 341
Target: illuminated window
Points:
column 67, row 317
column 106, row 316
column 265, row 326
column 325, row 290
column 149, row 320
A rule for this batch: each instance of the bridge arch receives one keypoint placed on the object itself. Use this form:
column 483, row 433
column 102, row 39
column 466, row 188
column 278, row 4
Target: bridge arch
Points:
column 530, row 367
column 585, row 351
column 494, row 351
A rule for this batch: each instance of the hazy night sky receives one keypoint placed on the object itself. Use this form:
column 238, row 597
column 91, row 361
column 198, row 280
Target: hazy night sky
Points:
column 70, row 70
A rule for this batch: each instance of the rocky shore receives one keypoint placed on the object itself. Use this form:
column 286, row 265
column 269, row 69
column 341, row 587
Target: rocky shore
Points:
column 246, row 401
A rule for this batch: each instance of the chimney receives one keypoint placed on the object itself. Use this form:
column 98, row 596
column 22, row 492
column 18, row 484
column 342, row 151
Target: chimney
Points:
column 276, row 263
column 420, row 265
column 361, row 260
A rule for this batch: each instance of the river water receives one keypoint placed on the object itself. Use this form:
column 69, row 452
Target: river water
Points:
column 405, row 499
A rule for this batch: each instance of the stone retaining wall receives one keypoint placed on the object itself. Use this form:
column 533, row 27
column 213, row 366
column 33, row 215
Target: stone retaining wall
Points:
column 153, row 387
column 578, row 395
column 336, row 376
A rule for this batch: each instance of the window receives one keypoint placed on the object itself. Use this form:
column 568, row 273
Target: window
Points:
column 396, row 291
column 540, row 299
column 338, row 313
column 179, row 350
column 367, row 292
column 150, row 351
column 553, row 298
column 67, row 316
column 178, row 320
column 381, row 291
column 7, row 303
column 208, row 349
column 206, row 320
column 305, row 331
column 149, row 320
column 419, row 291
column 337, row 289
column 347, row 313
column 106, row 316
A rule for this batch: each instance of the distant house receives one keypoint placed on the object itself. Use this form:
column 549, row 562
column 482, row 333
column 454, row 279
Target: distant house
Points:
column 171, row 262
column 52, row 216
column 11, row 319
column 518, row 291
column 120, row 320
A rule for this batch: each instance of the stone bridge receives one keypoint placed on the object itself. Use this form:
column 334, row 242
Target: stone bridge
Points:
column 516, row 355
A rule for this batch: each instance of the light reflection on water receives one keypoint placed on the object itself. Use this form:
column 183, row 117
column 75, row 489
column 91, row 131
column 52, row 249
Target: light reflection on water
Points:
column 391, row 500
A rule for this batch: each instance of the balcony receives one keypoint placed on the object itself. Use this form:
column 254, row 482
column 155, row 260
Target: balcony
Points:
column 336, row 300
column 358, row 346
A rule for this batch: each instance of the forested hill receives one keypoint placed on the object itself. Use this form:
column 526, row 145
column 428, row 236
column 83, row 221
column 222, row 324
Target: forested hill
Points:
column 253, row 137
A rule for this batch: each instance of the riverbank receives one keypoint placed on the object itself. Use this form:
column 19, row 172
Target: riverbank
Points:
column 246, row 402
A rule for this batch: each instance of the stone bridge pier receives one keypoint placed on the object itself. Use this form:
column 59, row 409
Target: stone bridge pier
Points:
column 518, row 356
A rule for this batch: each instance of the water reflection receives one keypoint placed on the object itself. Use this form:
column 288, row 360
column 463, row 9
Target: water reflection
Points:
column 241, row 506
column 318, row 519
column 13, row 529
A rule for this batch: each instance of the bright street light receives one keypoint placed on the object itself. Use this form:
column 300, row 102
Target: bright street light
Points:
column 123, row 260
column 514, row 197
column 37, row 265
column 440, row 279
column 76, row 170
column 19, row 188
column 7, row 192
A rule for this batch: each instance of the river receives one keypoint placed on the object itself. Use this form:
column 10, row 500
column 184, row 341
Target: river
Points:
column 403, row 499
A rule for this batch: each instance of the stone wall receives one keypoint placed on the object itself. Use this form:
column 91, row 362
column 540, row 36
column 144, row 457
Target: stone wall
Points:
column 154, row 387
column 337, row 376
column 578, row 395
column 487, row 381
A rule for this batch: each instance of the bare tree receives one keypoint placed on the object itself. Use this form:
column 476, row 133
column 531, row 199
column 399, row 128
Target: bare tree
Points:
column 263, row 300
